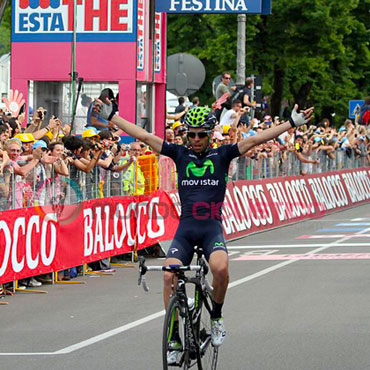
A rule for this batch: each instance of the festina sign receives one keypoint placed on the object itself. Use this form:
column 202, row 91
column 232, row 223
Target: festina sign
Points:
column 212, row 6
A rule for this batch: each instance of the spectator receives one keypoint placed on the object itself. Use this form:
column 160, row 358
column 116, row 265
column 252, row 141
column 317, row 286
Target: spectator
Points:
column 229, row 117
column 246, row 96
column 179, row 140
column 223, row 90
column 129, row 173
column 181, row 107
column 195, row 101
column 364, row 118
column 301, row 154
column 170, row 135
column 94, row 119
column 27, row 141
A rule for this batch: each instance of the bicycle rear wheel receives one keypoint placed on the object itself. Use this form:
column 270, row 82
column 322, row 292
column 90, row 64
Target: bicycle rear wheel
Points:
column 174, row 344
column 208, row 353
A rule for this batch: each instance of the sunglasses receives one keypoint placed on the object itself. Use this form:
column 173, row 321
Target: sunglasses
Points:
column 227, row 78
column 201, row 135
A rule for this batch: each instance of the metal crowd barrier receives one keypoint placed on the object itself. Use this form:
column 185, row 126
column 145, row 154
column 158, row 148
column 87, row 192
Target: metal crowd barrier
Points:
column 287, row 164
column 148, row 174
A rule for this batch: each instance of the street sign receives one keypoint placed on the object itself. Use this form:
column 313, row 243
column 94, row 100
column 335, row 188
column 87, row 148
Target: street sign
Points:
column 214, row 6
column 355, row 107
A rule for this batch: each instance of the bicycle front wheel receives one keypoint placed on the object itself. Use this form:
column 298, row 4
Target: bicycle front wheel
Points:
column 208, row 353
column 175, row 353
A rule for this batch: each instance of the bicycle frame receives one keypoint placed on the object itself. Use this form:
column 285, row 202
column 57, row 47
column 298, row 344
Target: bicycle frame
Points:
column 191, row 319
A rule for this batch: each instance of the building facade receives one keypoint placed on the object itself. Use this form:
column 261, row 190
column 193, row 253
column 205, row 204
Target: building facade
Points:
column 109, row 43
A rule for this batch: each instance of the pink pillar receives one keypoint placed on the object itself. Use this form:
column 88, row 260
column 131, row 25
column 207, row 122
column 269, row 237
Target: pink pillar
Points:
column 127, row 106
column 160, row 110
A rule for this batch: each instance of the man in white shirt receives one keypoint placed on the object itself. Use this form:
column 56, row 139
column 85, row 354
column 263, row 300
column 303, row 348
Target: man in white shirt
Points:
column 230, row 115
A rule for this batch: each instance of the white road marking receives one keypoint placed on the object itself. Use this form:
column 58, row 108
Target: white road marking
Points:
column 121, row 329
column 232, row 253
column 110, row 333
column 261, row 252
column 280, row 246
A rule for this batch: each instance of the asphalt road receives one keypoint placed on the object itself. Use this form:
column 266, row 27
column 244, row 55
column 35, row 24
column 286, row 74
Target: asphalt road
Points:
column 299, row 298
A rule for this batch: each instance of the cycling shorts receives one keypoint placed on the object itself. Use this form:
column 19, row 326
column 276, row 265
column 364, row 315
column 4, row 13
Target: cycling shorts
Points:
column 190, row 233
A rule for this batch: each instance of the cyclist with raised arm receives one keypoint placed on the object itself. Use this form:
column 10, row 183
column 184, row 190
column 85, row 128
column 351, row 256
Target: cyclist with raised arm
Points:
column 202, row 178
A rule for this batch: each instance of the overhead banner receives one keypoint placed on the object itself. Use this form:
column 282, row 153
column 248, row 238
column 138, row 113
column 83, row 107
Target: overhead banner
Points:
column 53, row 20
column 214, row 6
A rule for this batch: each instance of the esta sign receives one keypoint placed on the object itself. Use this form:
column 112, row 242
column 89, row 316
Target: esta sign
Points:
column 52, row 20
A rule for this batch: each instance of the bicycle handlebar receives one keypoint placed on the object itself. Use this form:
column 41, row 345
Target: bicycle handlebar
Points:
column 143, row 269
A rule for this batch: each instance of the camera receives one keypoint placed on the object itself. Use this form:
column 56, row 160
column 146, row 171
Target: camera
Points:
column 41, row 113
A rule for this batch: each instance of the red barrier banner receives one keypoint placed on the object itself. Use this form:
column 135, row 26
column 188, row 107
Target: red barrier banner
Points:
column 38, row 240
column 256, row 205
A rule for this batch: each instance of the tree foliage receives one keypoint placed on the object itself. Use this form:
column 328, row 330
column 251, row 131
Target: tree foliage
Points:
column 5, row 28
column 313, row 52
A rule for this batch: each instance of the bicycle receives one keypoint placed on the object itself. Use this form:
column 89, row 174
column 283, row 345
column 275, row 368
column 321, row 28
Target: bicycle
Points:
column 194, row 345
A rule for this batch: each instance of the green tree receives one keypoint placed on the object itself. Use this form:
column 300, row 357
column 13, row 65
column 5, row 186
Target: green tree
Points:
column 5, row 29
column 309, row 52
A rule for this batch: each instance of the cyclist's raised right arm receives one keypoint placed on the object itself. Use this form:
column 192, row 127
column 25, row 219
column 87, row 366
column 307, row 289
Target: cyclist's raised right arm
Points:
column 139, row 133
column 105, row 110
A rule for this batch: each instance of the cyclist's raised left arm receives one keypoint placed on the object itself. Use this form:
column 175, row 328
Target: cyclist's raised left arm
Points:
column 105, row 111
column 296, row 120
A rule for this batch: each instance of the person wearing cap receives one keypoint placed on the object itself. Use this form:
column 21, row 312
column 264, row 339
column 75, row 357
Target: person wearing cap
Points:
column 175, row 126
column 90, row 133
column 27, row 140
column 14, row 150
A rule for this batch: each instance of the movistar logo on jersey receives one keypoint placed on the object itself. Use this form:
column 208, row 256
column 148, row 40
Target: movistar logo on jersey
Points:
column 219, row 245
column 199, row 171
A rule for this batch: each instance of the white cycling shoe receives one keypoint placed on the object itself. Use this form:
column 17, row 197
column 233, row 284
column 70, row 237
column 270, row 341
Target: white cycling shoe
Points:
column 172, row 355
column 218, row 332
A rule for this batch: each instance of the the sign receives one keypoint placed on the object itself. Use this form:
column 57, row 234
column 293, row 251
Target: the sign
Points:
column 53, row 20
column 158, row 43
column 355, row 107
column 140, row 35
column 214, row 6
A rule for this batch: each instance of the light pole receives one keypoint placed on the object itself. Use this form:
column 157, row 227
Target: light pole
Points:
column 240, row 58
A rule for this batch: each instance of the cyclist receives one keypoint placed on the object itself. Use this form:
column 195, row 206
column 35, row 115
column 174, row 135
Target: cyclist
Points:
column 202, row 177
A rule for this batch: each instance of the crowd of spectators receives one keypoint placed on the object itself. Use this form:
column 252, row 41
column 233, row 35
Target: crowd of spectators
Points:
column 235, row 110
column 35, row 158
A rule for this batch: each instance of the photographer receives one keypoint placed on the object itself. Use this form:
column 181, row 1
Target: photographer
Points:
column 37, row 119
column 74, row 147
column 95, row 120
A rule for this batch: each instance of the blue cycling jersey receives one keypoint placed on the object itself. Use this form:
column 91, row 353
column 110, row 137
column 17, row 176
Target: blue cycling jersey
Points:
column 202, row 178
